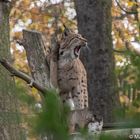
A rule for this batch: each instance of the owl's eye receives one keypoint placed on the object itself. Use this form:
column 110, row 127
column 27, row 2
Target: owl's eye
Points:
column 61, row 53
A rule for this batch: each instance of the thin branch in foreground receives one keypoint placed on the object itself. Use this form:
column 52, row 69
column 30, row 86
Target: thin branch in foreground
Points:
column 23, row 76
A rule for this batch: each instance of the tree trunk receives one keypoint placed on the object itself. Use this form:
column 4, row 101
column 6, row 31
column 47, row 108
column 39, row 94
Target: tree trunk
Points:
column 94, row 23
column 9, row 118
column 35, row 51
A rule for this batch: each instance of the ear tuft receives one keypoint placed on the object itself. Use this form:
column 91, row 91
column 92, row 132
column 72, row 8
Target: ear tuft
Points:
column 67, row 31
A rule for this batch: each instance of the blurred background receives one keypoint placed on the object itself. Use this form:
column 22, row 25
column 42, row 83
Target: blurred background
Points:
column 46, row 16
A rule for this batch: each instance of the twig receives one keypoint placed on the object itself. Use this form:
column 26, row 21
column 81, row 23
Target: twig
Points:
column 23, row 76
column 127, row 12
column 119, row 51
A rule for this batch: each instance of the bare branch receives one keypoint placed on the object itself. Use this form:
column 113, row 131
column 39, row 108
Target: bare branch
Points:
column 127, row 12
column 119, row 51
column 23, row 76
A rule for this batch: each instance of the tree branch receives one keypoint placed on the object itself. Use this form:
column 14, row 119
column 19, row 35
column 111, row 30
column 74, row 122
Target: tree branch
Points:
column 23, row 76
column 119, row 51
column 127, row 12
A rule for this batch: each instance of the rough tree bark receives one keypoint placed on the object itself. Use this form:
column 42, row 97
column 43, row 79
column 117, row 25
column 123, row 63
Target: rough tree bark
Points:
column 9, row 118
column 94, row 23
column 42, row 62
column 42, row 59
column 35, row 50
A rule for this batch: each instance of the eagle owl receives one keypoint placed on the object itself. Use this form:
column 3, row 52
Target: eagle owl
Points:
column 72, row 77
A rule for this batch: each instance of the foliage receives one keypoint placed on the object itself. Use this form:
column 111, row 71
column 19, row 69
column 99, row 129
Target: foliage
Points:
column 111, row 137
column 48, row 16
column 52, row 119
column 22, row 94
